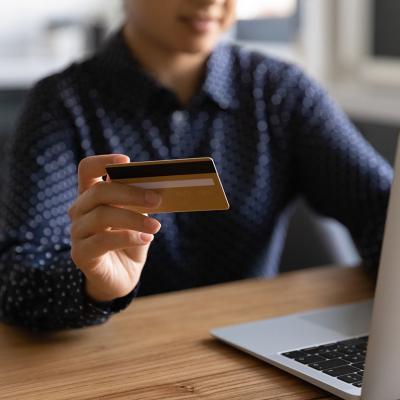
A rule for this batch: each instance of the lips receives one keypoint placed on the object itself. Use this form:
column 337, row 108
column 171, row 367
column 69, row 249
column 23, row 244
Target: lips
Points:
column 201, row 24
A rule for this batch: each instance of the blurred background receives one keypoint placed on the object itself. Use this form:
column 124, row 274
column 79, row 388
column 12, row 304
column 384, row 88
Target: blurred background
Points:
column 351, row 46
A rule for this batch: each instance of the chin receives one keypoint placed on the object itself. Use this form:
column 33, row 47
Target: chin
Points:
column 197, row 45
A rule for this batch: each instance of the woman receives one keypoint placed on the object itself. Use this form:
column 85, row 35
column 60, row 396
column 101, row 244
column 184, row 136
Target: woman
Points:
column 163, row 88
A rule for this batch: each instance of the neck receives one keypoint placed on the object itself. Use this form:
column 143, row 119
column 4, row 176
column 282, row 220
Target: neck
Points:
column 178, row 71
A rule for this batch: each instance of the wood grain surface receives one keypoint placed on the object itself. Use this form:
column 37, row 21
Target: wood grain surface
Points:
column 160, row 347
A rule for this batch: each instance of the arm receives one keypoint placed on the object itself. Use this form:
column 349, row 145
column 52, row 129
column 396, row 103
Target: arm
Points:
column 337, row 171
column 40, row 286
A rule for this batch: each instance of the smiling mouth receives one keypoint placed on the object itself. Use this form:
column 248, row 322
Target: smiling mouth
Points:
column 201, row 24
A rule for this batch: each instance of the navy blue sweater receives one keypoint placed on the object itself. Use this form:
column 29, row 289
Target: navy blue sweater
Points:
column 274, row 135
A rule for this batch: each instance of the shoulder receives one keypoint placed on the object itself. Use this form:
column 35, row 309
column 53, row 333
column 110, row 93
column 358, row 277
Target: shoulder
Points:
column 61, row 81
column 263, row 70
column 56, row 93
column 262, row 64
column 45, row 108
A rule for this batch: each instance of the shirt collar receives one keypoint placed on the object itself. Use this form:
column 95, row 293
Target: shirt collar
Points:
column 218, row 82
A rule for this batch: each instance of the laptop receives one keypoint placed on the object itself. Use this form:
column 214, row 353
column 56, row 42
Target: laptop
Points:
column 352, row 350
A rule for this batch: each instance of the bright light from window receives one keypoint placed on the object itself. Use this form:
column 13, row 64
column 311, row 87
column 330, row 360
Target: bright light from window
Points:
column 250, row 9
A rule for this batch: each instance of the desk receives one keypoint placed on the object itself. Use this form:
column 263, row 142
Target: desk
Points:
column 160, row 348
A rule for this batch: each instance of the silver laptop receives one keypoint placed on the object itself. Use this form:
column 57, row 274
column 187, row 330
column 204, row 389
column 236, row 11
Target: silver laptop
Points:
column 352, row 351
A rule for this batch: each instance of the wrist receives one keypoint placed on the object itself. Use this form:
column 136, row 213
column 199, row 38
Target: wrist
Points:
column 96, row 295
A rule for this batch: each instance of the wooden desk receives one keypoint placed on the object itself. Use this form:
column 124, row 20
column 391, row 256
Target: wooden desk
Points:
column 160, row 348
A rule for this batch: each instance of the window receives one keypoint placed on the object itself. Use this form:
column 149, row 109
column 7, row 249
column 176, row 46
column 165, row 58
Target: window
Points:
column 267, row 20
column 386, row 27
column 40, row 37
column 369, row 39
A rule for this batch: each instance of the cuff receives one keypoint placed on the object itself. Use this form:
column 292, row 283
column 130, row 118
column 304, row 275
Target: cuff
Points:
column 114, row 306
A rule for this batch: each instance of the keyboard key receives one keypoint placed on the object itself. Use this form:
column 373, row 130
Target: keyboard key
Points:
column 358, row 384
column 362, row 351
column 337, row 362
column 359, row 365
column 362, row 345
column 350, row 350
column 350, row 378
column 310, row 359
column 354, row 342
column 316, row 366
column 331, row 354
column 294, row 354
column 329, row 347
column 344, row 370
column 313, row 351
column 354, row 358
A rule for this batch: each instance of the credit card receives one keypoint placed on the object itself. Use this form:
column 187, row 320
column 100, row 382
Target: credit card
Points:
column 187, row 184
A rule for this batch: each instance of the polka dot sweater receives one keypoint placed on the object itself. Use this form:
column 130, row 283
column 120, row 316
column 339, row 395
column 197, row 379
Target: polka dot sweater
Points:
column 274, row 135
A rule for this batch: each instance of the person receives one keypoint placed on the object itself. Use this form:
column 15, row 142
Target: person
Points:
column 164, row 87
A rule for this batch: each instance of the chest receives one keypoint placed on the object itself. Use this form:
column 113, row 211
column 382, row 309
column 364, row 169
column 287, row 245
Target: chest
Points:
column 252, row 164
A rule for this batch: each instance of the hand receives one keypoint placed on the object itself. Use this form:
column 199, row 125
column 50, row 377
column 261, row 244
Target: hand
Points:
column 109, row 242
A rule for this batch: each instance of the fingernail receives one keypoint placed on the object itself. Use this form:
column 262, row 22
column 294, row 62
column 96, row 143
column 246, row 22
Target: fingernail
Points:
column 146, row 237
column 152, row 198
column 152, row 224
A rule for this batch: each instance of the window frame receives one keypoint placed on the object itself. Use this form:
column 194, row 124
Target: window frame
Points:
column 355, row 45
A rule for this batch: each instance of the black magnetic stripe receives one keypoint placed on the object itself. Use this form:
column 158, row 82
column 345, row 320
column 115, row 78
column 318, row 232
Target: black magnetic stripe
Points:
column 151, row 170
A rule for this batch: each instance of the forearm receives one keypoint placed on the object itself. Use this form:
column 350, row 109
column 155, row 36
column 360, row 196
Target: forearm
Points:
column 338, row 172
column 51, row 296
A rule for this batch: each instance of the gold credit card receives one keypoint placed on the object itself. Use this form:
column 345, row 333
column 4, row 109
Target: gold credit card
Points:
column 187, row 184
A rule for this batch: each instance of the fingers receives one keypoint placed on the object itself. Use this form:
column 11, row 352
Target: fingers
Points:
column 91, row 169
column 99, row 225
column 113, row 193
column 103, row 218
column 99, row 244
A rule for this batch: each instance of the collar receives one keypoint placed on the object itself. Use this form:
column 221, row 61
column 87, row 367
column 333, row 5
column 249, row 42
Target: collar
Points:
column 219, row 82
column 120, row 64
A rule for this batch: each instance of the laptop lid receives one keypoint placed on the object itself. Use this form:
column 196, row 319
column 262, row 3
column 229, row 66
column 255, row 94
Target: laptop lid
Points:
column 381, row 379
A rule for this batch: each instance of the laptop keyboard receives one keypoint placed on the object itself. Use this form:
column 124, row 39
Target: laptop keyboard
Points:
column 343, row 360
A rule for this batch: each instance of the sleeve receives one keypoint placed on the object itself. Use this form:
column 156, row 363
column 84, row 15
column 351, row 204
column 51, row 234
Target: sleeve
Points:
column 336, row 169
column 40, row 287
